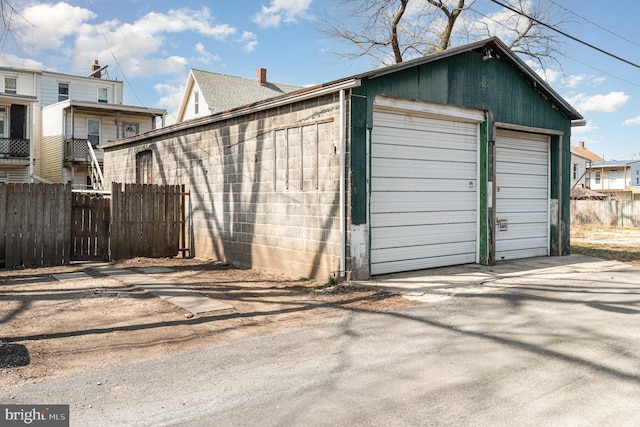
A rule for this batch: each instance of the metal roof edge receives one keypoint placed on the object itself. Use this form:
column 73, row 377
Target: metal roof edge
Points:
column 288, row 98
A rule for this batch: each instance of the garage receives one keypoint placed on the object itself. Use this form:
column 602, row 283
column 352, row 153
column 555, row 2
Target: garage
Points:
column 424, row 192
column 522, row 195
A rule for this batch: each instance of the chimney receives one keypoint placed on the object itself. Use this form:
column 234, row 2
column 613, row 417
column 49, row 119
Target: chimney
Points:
column 581, row 144
column 94, row 71
column 262, row 76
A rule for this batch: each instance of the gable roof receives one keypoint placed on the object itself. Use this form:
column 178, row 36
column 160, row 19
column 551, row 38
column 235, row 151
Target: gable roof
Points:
column 494, row 44
column 223, row 92
column 613, row 164
column 585, row 154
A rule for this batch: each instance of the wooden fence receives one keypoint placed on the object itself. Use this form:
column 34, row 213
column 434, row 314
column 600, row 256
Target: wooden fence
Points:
column 146, row 220
column 35, row 224
column 613, row 213
column 47, row 224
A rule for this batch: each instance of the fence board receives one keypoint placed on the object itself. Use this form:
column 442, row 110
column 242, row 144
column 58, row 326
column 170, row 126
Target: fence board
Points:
column 3, row 222
column 47, row 224
column 612, row 213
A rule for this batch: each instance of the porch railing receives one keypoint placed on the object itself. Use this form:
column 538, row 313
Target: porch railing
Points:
column 76, row 150
column 14, row 148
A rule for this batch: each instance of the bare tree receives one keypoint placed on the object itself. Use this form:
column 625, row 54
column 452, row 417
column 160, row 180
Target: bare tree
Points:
column 392, row 31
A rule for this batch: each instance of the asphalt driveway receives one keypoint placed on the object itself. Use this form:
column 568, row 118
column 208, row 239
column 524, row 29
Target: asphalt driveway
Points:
column 547, row 341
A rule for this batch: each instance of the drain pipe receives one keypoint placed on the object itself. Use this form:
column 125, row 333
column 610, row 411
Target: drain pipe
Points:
column 343, row 240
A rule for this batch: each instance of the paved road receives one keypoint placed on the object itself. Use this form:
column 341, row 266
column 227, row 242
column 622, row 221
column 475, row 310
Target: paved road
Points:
column 557, row 346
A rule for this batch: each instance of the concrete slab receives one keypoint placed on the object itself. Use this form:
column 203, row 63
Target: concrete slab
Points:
column 438, row 284
column 76, row 275
column 187, row 299
column 156, row 270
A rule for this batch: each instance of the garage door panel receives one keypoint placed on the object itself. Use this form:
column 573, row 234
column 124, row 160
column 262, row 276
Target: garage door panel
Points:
column 421, row 252
column 387, row 121
column 398, row 168
column 420, row 235
column 396, row 219
column 421, row 202
column 423, row 192
column 522, row 194
column 422, row 263
column 537, row 194
column 524, row 169
column 521, row 180
column 388, row 151
column 422, row 184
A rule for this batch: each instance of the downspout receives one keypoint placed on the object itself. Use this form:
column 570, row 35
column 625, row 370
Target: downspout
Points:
column 343, row 240
column 29, row 121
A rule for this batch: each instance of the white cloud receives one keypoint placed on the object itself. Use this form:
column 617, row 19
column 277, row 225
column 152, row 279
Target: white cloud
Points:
column 590, row 127
column 9, row 60
column 205, row 56
column 631, row 122
column 600, row 103
column 170, row 95
column 45, row 26
column 249, row 41
column 279, row 10
column 576, row 80
column 138, row 45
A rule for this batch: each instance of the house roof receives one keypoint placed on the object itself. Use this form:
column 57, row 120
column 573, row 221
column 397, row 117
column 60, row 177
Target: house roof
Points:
column 109, row 108
column 613, row 163
column 585, row 154
column 495, row 45
column 223, row 92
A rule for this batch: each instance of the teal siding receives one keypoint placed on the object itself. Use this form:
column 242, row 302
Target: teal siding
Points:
column 494, row 86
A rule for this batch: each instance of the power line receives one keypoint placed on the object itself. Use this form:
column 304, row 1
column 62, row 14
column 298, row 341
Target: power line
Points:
column 537, row 21
column 595, row 24
column 124, row 76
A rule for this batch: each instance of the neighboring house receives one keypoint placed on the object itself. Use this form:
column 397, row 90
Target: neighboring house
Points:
column 581, row 160
column 614, row 175
column 78, row 111
column 458, row 157
column 209, row 93
column 19, row 123
column 46, row 119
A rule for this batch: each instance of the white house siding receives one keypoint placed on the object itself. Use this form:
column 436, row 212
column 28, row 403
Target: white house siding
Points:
column 203, row 107
column 264, row 194
column 51, row 150
column 80, row 88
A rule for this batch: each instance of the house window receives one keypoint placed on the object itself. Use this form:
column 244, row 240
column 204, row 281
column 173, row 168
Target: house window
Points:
column 575, row 171
column 103, row 95
column 613, row 175
column 63, row 91
column 3, row 119
column 144, row 167
column 93, row 131
column 598, row 178
column 129, row 129
column 11, row 85
column 196, row 102
column 4, row 177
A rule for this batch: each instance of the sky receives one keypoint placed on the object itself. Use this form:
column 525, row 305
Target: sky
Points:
column 152, row 45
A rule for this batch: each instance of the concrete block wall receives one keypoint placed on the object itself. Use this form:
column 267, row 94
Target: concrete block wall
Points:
column 264, row 187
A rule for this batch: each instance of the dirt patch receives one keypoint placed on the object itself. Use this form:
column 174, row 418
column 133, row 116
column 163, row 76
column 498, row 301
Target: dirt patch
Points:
column 52, row 328
column 610, row 243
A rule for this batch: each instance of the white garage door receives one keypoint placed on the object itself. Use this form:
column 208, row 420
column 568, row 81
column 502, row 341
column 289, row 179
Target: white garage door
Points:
column 522, row 195
column 423, row 192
